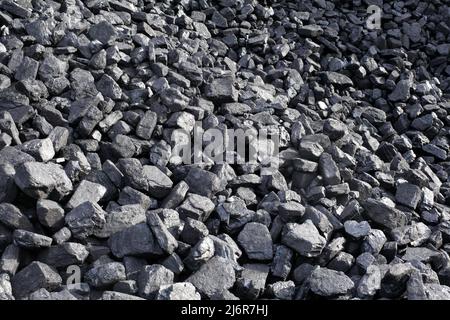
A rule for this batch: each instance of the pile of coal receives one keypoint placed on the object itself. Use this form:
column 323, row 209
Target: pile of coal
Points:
column 95, row 202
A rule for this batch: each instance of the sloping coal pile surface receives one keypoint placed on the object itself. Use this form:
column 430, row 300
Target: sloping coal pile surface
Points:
column 116, row 180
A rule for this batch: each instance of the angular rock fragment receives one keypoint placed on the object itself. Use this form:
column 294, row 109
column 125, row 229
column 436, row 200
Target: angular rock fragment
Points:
column 113, row 295
column 132, row 196
column 59, row 137
column 401, row 91
column 85, row 219
column 283, row 290
column 159, row 184
column 109, row 88
column 252, row 281
column 178, row 291
column 202, row 182
column 63, row 255
column 41, row 180
column 329, row 283
column 103, row 32
column 86, row 191
column 329, row 170
column 357, row 229
column 310, row 150
column 30, row 240
column 222, row 90
column 311, row 31
column 193, row 231
column 146, row 125
column 34, row 276
column 199, row 254
column 5, row 287
column 303, row 238
column 113, row 173
column 152, row 278
column 120, row 218
column 137, row 240
column 213, row 277
column 370, row 283
column 12, row 217
column 256, row 241
column 408, row 194
column 27, row 69
column 40, row 149
column 164, row 238
column 291, row 211
column 43, row 294
column 383, row 214
column 374, row 242
column 281, row 264
column 62, row 235
column 8, row 189
column 8, row 126
column 105, row 275
column 334, row 129
column 337, row 79
column 9, row 262
column 14, row 157
column 196, row 207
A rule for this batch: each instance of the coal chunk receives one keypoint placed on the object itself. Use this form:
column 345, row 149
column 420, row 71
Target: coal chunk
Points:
column 120, row 218
column 159, row 184
column 165, row 239
column 137, row 240
column 40, row 149
column 31, row 240
column 147, row 125
column 39, row 180
column 85, row 219
column 105, row 275
column 252, row 281
column 35, row 276
column 178, row 291
column 383, row 214
column 337, row 79
column 152, row 278
column 222, row 90
column 104, row 32
column 196, row 207
column 13, row 218
column 330, row 283
column 109, row 87
column 409, row 195
column 256, row 241
column 63, row 255
column 303, row 238
column 203, row 182
column 215, row 276
column 86, row 191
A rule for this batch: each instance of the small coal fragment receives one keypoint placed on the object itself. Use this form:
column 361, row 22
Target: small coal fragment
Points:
column 35, row 276
column 30, row 240
column 213, row 277
column 105, row 275
column 85, row 219
column 152, row 278
column 303, row 238
column 256, row 241
column 178, row 291
column 330, row 283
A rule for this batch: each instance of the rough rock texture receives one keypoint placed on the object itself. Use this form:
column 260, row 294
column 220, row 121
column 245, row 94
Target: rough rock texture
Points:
column 122, row 125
